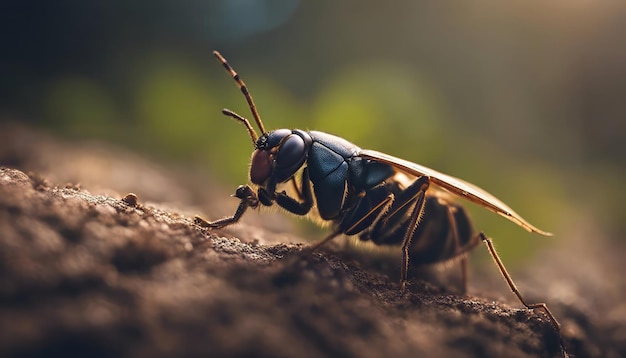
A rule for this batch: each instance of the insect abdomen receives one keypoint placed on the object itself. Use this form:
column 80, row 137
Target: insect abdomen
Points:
column 445, row 231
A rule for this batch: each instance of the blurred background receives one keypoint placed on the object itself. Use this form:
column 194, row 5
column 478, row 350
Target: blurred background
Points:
column 525, row 98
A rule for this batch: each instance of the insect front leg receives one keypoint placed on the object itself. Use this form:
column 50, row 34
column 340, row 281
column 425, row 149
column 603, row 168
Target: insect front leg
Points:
column 248, row 199
column 304, row 203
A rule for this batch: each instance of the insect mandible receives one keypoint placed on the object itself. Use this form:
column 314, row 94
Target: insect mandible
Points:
column 380, row 198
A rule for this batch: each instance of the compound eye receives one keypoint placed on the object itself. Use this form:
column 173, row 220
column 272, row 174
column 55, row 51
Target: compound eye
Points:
column 276, row 136
column 291, row 152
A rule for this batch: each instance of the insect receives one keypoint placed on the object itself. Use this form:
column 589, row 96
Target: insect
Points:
column 380, row 198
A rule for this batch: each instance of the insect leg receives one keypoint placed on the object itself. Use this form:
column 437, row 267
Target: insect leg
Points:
column 457, row 246
column 298, row 207
column 464, row 273
column 320, row 243
column 294, row 184
column 422, row 183
column 248, row 199
column 512, row 285
column 380, row 210
column 384, row 205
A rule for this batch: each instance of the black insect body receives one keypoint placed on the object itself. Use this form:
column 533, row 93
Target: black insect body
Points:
column 380, row 198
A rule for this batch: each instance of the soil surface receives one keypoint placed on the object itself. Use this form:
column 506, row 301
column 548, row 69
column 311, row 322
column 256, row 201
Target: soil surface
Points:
column 106, row 274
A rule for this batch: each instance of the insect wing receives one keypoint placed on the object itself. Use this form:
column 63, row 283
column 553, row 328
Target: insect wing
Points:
column 454, row 185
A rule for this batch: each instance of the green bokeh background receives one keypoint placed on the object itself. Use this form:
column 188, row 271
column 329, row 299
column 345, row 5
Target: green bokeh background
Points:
column 523, row 98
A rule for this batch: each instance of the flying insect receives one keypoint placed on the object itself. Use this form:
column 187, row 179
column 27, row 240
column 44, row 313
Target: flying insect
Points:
column 375, row 196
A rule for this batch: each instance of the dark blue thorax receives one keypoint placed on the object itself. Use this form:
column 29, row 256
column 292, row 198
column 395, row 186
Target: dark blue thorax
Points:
column 334, row 166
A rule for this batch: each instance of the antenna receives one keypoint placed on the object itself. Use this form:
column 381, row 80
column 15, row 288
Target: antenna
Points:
column 247, row 95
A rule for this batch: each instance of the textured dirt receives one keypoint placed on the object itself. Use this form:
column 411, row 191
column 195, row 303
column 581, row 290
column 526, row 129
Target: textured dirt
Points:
column 111, row 276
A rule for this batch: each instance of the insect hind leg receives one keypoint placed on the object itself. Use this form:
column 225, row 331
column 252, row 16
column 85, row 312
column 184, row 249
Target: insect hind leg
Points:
column 458, row 248
column 513, row 287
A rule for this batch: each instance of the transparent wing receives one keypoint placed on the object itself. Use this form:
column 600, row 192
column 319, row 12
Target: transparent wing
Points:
column 454, row 185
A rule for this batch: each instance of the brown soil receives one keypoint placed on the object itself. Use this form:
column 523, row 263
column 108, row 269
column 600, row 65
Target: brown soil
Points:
column 112, row 276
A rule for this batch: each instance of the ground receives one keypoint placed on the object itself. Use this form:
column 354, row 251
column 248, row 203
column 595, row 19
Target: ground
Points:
column 110, row 274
